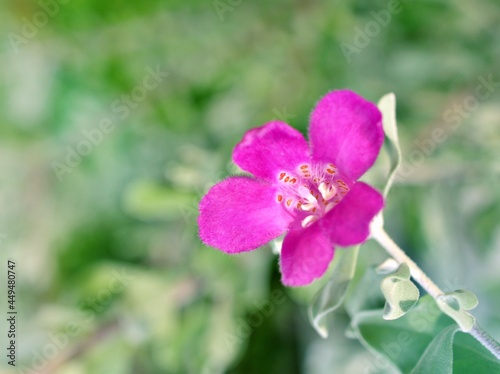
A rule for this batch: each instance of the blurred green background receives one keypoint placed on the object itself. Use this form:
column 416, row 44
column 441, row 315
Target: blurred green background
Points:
column 112, row 277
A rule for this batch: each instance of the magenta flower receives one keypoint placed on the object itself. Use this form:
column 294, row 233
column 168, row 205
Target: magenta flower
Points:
column 310, row 192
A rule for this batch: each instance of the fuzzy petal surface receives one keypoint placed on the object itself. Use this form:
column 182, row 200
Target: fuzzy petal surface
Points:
column 270, row 149
column 349, row 222
column 240, row 214
column 347, row 130
column 305, row 256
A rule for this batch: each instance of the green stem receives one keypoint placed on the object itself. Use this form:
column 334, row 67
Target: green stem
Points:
column 427, row 284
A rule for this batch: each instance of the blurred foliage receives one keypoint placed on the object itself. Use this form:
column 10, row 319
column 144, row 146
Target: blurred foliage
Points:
column 110, row 269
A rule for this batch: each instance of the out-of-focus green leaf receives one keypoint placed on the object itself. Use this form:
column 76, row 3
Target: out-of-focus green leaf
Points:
column 402, row 341
column 331, row 296
column 147, row 200
column 423, row 341
column 469, row 356
column 456, row 353
column 438, row 357
column 366, row 294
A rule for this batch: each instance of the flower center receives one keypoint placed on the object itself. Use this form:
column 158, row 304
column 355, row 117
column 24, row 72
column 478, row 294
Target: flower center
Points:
column 311, row 191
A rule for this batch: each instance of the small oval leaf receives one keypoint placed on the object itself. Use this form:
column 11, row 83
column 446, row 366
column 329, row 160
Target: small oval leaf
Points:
column 455, row 304
column 400, row 293
column 402, row 272
column 468, row 300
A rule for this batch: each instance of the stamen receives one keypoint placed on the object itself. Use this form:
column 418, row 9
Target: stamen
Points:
column 308, row 207
column 330, row 206
column 310, row 202
column 315, row 189
column 306, row 194
column 309, row 220
column 327, row 190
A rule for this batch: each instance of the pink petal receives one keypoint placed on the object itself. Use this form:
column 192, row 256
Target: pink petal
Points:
column 346, row 130
column 305, row 255
column 273, row 148
column 240, row 214
column 348, row 223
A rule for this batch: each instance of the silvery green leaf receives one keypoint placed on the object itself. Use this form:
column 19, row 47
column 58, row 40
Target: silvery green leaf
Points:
column 468, row 300
column 438, row 356
column 402, row 272
column 400, row 293
column 456, row 304
column 401, row 342
column 422, row 342
column 387, row 106
column 331, row 296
